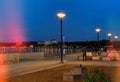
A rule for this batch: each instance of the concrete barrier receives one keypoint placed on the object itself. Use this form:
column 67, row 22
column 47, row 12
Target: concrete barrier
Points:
column 96, row 58
column 15, row 57
column 89, row 54
column 9, row 58
column 33, row 55
column 80, row 58
column 108, row 58
column 74, row 54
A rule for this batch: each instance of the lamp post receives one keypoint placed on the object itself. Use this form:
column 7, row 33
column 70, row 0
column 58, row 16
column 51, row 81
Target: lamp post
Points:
column 64, row 40
column 98, row 33
column 109, row 36
column 61, row 15
column 115, row 37
column 115, row 41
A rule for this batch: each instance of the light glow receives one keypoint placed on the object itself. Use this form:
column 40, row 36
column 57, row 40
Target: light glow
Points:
column 97, row 30
column 61, row 15
column 13, row 32
column 116, row 37
column 109, row 34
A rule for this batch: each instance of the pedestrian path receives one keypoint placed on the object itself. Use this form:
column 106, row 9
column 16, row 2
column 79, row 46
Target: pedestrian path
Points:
column 96, row 63
column 11, row 70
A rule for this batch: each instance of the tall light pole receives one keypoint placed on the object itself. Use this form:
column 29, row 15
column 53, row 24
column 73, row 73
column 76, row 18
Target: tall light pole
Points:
column 115, row 37
column 109, row 36
column 98, row 34
column 61, row 15
column 115, row 41
column 64, row 40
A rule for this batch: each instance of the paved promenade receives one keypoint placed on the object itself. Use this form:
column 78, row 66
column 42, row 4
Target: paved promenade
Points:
column 25, row 67
column 96, row 63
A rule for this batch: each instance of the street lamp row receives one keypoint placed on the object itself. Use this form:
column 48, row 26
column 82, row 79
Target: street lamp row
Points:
column 98, row 42
column 109, row 34
column 61, row 15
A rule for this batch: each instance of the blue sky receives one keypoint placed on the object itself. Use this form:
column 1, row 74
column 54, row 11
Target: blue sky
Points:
column 37, row 20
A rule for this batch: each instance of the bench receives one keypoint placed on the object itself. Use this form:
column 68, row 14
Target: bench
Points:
column 75, row 74
column 87, row 58
column 96, row 58
column 71, row 76
column 108, row 58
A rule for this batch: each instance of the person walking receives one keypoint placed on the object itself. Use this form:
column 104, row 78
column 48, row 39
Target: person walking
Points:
column 84, row 53
column 93, row 50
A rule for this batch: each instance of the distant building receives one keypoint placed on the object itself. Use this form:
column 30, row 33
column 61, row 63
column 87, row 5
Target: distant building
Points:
column 41, row 43
column 54, row 41
column 48, row 42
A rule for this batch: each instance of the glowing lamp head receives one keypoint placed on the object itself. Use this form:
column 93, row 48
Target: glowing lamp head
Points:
column 97, row 30
column 116, row 37
column 61, row 15
column 109, row 34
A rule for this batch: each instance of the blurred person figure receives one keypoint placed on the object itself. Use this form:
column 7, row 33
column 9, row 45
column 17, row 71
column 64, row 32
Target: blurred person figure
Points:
column 84, row 53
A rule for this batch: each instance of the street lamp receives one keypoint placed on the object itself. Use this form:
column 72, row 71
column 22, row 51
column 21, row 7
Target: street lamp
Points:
column 98, row 32
column 61, row 15
column 109, row 35
column 115, row 37
column 115, row 41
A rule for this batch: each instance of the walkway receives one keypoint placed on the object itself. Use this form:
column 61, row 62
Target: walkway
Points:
column 25, row 67
column 22, row 68
column 96, row 63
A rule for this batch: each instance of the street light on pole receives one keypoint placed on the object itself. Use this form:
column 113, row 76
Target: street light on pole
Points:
column 61, row 15
column 109, row 35
column 115, row 41
column 115, row 37
column 98, row 33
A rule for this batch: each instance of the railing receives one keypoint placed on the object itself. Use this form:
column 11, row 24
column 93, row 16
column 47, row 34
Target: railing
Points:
column 47, row 51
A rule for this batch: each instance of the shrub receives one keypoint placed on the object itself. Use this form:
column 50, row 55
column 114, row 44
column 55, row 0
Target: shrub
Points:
column 96, row 76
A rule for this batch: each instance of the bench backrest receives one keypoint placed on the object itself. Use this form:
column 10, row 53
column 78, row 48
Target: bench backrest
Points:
column 80, row 70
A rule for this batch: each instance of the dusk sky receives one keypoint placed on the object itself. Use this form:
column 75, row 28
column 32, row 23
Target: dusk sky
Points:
column 36, row 20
